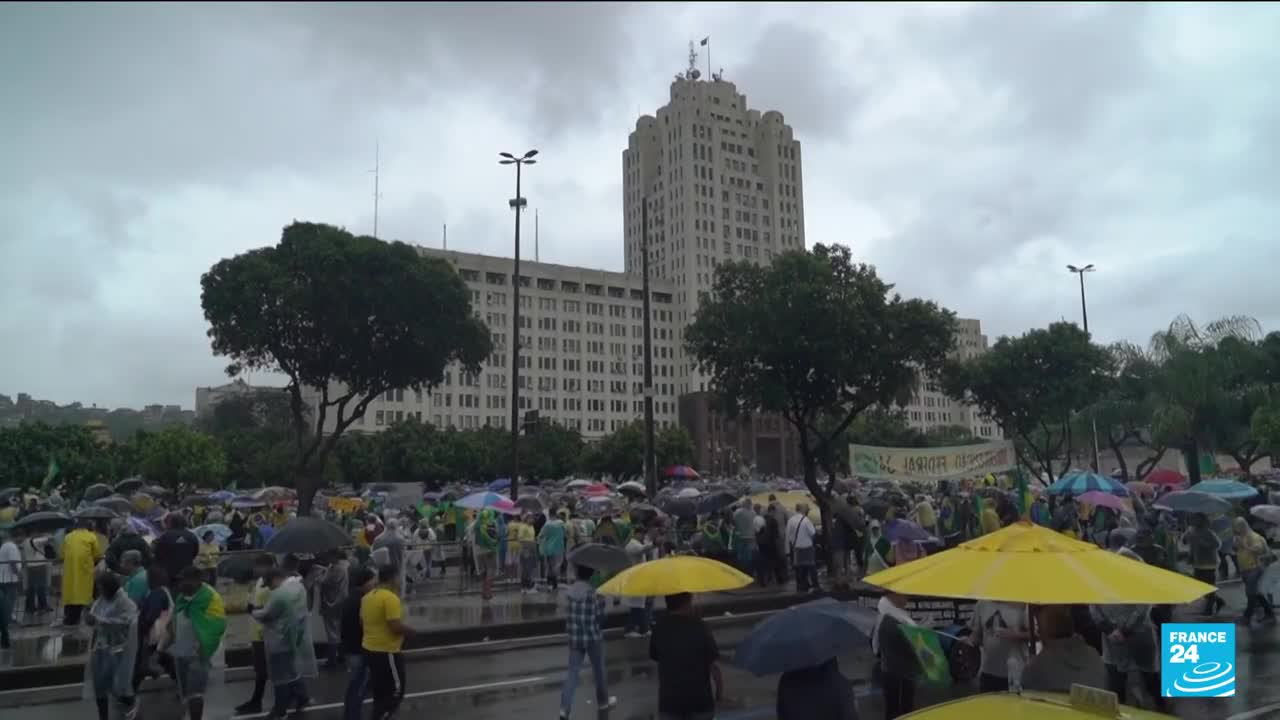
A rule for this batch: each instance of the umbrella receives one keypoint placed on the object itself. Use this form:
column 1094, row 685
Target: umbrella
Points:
column 679, row 506
column 95, row 512
column 220, row 532
column 688, row 492
column 98, row 490
column 1165, row 477
column 156, row 491
column 681, row 471
column 223, row 496
column 598, row 506
column 142, row 502
column 576, row 484
column 1079, row 483
column 129, row 486
column 121, row 505
column 44, row 521
column 530, row 503
column 1137, row 487
column 198, row 500
column 488, row 501
column 143, row 527
column 715, row 502
column 1225, row 489
column 803, row 636
column 898, row 530
column 7, row 493
column 597, row 556
column 500, row 484
column 1268, row 513
column 1192, row 501
column 1027, row 706
column 272, row 493
column 245, row 502
column 632, row 489
column 1025, row 563
column 307, row 535
column 596, row 489
column 1098, row 498
column 674, row 575
column 643, row 513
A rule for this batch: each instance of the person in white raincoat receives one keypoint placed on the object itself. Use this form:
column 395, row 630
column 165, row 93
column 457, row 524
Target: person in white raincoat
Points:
column 286, row 635
column 113, row 650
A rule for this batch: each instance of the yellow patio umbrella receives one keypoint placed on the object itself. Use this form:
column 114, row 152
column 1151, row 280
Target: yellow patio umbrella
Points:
column 788, row 499
column 672, row 575
column 1026, row 563
column 1028, row 706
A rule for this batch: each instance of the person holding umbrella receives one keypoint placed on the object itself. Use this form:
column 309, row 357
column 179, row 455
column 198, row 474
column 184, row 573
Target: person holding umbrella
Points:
column 1252, row 556
column 689, row 679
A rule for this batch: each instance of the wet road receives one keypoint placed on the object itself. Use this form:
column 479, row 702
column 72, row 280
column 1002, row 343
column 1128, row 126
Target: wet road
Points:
column 522, row 678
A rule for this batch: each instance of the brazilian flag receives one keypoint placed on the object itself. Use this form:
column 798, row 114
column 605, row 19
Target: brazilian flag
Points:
column 928, row 650
column 1024, row 496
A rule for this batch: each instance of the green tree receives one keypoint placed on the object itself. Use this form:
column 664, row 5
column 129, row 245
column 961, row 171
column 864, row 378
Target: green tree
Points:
column 817, row 339
column 553, row 451
column 1201, row 386
column 346, row 318
column 1122, row 414
column 1031, row 385
column 254, row 431
column 672, row 445
column 179, row 457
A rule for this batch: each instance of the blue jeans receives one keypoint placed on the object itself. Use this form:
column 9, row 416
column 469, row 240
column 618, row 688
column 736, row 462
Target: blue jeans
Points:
column 595, row 651
column 745, row 550
column 357, row 687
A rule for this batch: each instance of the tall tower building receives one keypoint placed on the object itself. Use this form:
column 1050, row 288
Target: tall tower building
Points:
column 722, row 182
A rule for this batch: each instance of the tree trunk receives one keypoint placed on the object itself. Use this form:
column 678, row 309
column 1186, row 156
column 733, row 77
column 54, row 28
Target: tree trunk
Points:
column 1191, row 456
column 1124, row 466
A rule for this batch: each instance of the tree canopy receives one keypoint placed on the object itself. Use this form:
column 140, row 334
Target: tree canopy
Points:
column 346, row 317
column 182, row 457
column 819, row 340
column 1031, row 386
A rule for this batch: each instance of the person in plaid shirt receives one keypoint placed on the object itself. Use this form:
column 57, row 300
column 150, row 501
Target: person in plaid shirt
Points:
column 586, row 638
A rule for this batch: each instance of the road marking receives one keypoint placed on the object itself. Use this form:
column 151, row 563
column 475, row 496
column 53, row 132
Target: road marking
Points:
column 426, row 693
column 1256, row 712
column 531, row 640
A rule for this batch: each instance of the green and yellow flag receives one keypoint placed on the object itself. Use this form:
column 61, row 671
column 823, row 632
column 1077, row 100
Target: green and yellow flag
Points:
column 933, row 662
column 49, row 476
column 1024, row 495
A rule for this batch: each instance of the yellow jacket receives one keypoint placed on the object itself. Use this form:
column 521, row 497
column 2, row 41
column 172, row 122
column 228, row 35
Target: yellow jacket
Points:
column 81, row 550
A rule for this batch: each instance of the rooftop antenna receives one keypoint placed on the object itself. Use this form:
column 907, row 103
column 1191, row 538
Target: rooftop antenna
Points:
column 444, row 235
column 377, row 164
column 692, row 73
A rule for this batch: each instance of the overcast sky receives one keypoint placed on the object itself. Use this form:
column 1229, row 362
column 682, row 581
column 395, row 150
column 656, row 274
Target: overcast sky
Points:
column 968, row 151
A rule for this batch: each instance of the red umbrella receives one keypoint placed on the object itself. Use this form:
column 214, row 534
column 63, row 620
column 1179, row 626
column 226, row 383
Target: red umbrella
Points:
column 597, row 489
column 681, row 471
column 1165, row 477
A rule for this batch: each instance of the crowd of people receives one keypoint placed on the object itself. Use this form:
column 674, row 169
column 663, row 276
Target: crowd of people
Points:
column 151, row 605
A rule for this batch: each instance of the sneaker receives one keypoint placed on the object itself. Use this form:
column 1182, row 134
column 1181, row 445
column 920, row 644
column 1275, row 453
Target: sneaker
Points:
column 249, row 708
column 613, row 703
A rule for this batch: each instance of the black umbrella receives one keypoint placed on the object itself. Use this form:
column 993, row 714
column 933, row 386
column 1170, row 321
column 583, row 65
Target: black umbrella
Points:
column 530, row 503
column 307, row 535
column 632, row 489
column 95, row 512
column 94, row 492
column 644, row 513
column 679, row 507
column 46, row 521
column 129, row 486
column 121, row 505
column 597, row 556
column 199, row 500
column 156, row 490
column 715, row 502
column 7, row 493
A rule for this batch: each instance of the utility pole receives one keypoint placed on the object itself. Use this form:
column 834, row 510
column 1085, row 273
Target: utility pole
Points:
column 1084, row 315
column 518, row 204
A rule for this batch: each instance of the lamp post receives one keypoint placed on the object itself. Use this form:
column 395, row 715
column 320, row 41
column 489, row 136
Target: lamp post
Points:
column 518, row 204
column 1084, row 313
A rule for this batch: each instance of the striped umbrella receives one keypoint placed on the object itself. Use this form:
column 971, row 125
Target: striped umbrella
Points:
column 1079, row 483
column 681, row 471
column 488, row 501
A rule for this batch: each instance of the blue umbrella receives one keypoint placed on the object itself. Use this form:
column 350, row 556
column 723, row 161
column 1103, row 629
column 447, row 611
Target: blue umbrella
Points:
column 897, row 530
column 1192, row 501
column 804, row 636
column 1079, row 483
column 222, row 496
column 500, row 484
column 1225, row 488
column 220, row 532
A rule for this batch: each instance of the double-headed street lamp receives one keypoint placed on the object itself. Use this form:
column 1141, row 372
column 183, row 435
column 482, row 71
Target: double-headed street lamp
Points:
column 1084, row 312
column 518, row 204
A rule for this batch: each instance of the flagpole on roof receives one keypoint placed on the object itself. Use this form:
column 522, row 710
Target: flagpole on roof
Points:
column 706, row 42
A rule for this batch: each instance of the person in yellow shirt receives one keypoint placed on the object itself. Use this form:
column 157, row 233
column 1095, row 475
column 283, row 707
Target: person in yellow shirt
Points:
column 926, row 516
column 525, row 548
column 1252, row 556
column 207, row 557
column 259, row 592
column 81, row 551
column 382, row 619
column 989, row 519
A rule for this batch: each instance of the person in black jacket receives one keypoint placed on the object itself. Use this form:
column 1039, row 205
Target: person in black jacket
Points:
column 177, row 547
column 127, row 540
column 816, row 693
column 362, row 581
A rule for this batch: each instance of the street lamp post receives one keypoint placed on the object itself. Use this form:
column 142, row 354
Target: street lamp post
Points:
column 1084, row 313
column 518, row 204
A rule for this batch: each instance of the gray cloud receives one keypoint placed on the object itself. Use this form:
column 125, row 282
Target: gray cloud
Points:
column 968, row 151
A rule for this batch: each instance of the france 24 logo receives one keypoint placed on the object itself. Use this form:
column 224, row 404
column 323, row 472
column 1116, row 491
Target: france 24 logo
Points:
column 1198, row 659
